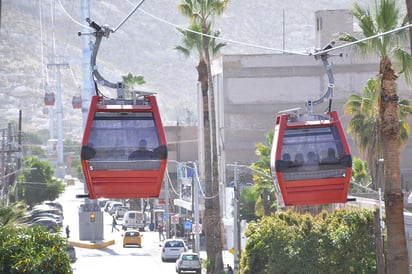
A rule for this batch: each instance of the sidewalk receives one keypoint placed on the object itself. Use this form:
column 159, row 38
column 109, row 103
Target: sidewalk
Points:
column 226, row 256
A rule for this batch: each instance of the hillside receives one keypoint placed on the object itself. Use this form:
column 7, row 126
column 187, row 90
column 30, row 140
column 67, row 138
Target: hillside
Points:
column 143, row 45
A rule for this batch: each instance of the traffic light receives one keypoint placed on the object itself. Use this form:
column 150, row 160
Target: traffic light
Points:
column 92, row 217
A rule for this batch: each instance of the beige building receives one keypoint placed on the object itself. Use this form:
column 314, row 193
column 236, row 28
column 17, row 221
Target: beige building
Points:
column 251, row 89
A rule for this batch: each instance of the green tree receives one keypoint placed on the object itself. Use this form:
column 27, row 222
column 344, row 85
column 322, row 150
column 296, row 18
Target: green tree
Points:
column 36, row 182
column 201, row 13
column 264, row 187
column 248, row 198
column 409, row 14
column 35, row 150
column 289, row 242
column 12, row 214
column 26, row 250
column 360, row 180
column 130, row 80
column 384, row 19
column 363, row 126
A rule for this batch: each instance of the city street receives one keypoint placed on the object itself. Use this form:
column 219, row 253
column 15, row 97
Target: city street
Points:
column 113, row 258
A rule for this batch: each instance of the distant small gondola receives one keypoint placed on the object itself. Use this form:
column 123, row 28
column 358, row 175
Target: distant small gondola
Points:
column 77, row 102
column 124, row 151
column 49, row 99
column 311, row 159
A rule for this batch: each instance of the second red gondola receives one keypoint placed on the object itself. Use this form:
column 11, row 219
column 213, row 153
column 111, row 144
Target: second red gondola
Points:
column 77, row 102
column 311, row 159
column 124, row 150
column 49, row 99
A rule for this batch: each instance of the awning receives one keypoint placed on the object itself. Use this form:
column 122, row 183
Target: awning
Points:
column 186, row 204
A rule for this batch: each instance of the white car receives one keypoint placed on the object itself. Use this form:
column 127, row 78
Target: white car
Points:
column 172, row 248
column 120, row 211
column 113, row 207
column 188, row 261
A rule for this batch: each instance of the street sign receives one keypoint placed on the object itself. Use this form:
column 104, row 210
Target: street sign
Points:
column 187, row 225
column 174, row 219
column 197, row 228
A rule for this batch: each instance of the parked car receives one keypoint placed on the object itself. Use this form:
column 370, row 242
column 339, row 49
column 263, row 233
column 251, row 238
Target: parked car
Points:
column 120, row 211
column 102, row 202
column 114, row 206
column 172, row 248
column 107, row 205
column 57, row 218
column 188, row 261
column 38, row 209
column 132, row 237
column 48, row 223
column 71, row 252
column 54, row 204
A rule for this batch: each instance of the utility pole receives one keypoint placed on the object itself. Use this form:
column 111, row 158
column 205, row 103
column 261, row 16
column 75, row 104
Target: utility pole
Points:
column 19, row 155
column 61, row 168
column 167, row 227
column 196, row 184
column 236, row 223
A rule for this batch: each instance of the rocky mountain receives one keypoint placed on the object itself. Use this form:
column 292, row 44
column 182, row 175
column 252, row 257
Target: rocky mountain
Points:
column 35, row 34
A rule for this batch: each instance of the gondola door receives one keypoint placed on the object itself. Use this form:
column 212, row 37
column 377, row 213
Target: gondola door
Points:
column 113, row 136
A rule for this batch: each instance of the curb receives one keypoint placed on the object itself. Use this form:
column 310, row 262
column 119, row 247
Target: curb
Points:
column 98, row 245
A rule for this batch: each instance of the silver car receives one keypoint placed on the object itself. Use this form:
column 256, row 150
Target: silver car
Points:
column 188, row 261
column 172, row 248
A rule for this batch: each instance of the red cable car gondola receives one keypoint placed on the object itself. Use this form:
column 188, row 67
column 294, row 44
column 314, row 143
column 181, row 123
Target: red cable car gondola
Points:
column 77, row 102
column 45, row 111
column 124, row 150
column 310, row 158
column 113, row 136
column 49, row 99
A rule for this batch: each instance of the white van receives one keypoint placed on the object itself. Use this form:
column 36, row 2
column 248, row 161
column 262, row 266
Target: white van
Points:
column 133, row 219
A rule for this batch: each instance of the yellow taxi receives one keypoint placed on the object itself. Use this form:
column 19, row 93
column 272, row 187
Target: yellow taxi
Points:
column 132, row 237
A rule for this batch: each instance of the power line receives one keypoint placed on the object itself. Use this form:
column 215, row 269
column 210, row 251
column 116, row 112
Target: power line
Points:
column 295, row 52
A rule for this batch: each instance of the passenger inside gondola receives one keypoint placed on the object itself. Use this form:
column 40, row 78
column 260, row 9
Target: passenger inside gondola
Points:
column 299, row 160
column 312, row 161
column 331, row 157
column 142, row 153
column 286, row 160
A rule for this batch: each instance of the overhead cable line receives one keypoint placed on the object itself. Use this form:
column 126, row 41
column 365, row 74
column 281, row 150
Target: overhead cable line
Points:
column 362, row 40
column 234, row 41
column 71, row 18
column 219, row 38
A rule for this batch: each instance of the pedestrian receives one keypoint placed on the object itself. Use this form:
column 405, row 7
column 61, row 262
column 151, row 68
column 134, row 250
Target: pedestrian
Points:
column 161, row 235
column 67, row 232
column 114, row 223
column 229, row 269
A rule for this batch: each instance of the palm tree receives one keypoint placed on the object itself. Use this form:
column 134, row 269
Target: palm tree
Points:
column 409, row 13
column 360, row 176
column 200, row 13
column 263, row 186
column 387, row 47
column 130, row 80
column 363, row 126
